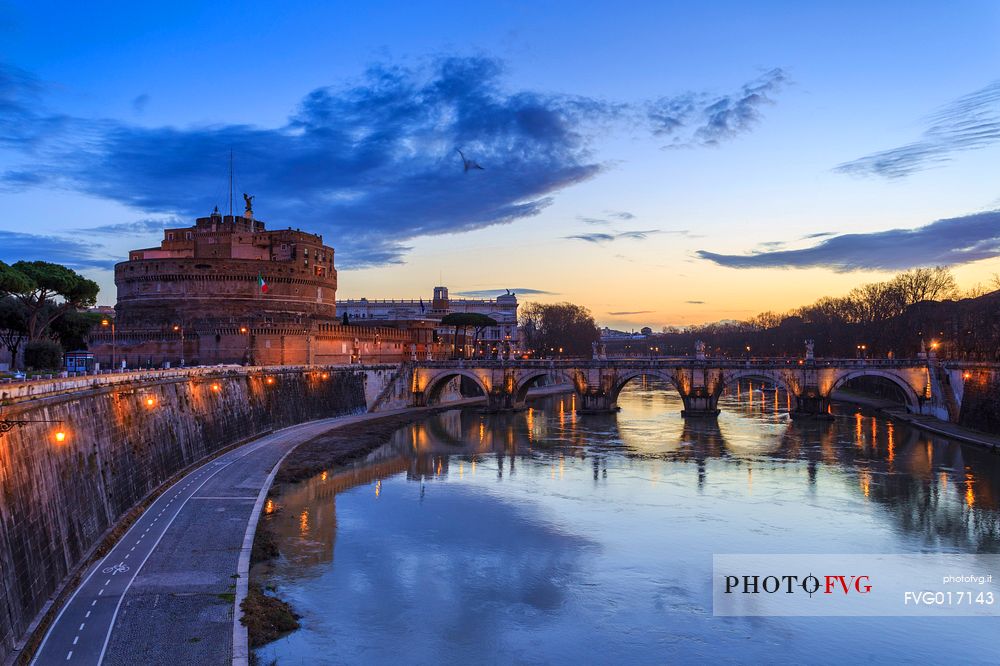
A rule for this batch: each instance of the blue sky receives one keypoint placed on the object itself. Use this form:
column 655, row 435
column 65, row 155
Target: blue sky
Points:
column 683, row 162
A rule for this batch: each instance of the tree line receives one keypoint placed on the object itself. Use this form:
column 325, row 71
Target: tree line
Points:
column 877, row 319
column 43, row 307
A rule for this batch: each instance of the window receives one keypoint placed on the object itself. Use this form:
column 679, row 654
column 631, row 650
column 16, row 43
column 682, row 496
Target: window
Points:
column 170, row 236
column 188, row 235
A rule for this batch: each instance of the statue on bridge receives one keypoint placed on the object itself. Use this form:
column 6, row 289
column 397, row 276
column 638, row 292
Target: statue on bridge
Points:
column 699, row 350
column 810, row 350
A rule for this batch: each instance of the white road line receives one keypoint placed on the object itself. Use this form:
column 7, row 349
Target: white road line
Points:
column 215, row 467
column 82, row 624
column 82, row 585
column 69, row 655
column 76, row 639
column 87, row 615
column 107, row 638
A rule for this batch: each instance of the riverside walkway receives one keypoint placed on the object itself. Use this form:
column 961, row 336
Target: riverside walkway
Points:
column 169, row 591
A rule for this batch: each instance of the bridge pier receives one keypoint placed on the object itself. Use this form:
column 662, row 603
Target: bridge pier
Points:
column 597, row 401
column 812, row 404
column 499, row 400
column 700, row 403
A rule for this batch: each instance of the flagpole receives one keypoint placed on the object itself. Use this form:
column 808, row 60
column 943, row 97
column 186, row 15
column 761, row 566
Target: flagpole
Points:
column 230, row 182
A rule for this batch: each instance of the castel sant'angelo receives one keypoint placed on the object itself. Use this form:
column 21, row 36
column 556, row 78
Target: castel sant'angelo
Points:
column 228, row 290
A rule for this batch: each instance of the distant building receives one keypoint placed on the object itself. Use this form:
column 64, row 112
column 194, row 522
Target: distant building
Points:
column 228, row 290
column 503, row 309
column 610, row 335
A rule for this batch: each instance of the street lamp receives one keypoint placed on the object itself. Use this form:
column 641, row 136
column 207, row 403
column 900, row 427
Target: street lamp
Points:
column 180, row 328
column 106, row 323
column 248, row 354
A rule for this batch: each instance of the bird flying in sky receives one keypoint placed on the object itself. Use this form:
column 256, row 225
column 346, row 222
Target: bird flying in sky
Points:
column 467, row 163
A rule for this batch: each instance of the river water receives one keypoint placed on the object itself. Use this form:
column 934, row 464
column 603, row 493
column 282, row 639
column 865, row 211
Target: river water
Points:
column 547, row 537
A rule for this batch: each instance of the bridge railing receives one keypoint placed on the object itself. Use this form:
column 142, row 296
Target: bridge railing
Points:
column 673, row 361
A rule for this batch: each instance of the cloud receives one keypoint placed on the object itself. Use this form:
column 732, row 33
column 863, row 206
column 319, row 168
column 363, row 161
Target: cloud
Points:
column 618, row 215
column 15, row 246
column 140, row 103
column 136, row 228
column 968, row 123
column 632, row 312
column 370, row 165
column 944, row 242
column 695, row 302
column 694, row 119
column 493, row 293
column 21, row 125
column 819, row 234
column 598, row 237
column 593, row 238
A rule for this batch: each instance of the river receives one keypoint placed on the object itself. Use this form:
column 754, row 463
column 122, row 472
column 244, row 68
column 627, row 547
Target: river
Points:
column 554, row 538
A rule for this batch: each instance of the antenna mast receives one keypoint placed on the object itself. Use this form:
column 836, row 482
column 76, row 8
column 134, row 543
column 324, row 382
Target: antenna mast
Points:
column 230, row 182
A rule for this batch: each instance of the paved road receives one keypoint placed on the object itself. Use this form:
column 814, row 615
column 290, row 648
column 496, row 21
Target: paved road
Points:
column 165, row 593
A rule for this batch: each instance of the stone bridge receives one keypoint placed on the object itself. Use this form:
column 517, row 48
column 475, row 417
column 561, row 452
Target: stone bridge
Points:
column 929, row 387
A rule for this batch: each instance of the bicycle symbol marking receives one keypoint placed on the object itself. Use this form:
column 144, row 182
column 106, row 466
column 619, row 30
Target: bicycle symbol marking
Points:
column 116, row 569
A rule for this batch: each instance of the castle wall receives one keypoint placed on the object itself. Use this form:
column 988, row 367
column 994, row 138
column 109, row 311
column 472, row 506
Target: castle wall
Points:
column 272, row 345
column 184, row 291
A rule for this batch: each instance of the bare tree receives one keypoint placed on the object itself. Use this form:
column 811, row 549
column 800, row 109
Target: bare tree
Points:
column 925, row 284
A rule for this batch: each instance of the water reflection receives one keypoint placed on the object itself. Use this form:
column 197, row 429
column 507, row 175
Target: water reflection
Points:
column 546, row 537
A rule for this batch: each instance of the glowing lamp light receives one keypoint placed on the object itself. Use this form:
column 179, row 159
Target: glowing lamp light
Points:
column 269, row 380
column 243, row 329
column 60, row 436
column 967, row 375
column 216, row 388
column 150, row 401
column 326, row 375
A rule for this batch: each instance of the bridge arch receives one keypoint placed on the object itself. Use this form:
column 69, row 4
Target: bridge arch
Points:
column 912, row 399
column 625, row 378
column 730, row 377
column 529, row 380
column 437, row 382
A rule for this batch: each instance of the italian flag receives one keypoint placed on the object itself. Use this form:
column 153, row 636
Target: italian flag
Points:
column 261, row 283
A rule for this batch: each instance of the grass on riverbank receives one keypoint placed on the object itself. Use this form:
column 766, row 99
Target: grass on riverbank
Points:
column 266, row 618
column 265, row 545
column 341, row 446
